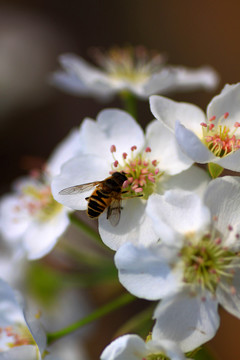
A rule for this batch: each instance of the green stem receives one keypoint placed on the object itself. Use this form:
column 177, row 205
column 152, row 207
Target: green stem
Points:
column 129, row 103
column 97, row 314
column 86, row 229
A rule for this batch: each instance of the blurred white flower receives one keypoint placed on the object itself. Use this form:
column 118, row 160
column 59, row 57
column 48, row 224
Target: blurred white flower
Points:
column 129, row 69
column 152, row 163
column 21, row 336
column 31, row 221
column 194, row 267
column 211, row 138
column 134, row 348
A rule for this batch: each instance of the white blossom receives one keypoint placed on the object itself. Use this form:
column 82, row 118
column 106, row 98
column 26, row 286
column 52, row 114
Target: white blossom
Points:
column 132, row 347
column 194, row 267
column 129, row 69
column 152, row 163
column 31, row 221
column 21, row 336
column 214, row 137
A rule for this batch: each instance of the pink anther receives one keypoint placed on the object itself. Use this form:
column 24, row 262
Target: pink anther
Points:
column 113, row 148
column 212, row 118
column 148, row 149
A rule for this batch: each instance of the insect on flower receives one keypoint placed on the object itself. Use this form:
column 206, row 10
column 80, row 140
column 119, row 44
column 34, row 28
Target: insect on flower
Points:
column 106, row 195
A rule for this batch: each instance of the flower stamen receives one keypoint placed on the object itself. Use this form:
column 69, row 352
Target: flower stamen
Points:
column 142, row 174
column 220, row 138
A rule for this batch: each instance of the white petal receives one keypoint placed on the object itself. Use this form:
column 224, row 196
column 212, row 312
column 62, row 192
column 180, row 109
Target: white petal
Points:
column 179, row 78
column 112, row 127
column 159, row 83
column 134, row 226
column 92, row 81
column 41, row 237
column 72, row 84
column 192, row 146
column 67, row 149
column 169, row 111
column 227, row 101
column 165, row 149
column 69, row 82
column 193, row 179
column 36, row 330
column 78, row 171
column 204, row 77
column 144, row 271
column 83, row 70
column 223, row 198
column 130, row 347
column 186, row 319
column 167, row 347
column 177, row 214
column 228, row 293
column 24, row 352
column 231, row 161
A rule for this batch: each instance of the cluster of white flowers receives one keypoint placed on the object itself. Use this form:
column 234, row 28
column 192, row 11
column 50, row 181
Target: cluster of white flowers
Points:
column 176, row 232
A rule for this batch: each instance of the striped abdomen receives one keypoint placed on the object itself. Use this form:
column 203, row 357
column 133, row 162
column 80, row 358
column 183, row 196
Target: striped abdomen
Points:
column 97, row 203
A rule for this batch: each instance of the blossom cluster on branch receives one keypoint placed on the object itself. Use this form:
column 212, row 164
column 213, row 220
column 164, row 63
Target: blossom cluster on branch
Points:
column 174, row 226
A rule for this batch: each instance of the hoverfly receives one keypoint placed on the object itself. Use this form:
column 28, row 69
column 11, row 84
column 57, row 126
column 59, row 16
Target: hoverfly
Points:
column 106, row 195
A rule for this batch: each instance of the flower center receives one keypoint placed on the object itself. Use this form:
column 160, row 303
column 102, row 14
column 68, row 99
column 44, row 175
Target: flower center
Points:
column 129, row 63
column 142, row 174
column 206, row 261
column 220, row 139
column 15, row 335
column 38, row 201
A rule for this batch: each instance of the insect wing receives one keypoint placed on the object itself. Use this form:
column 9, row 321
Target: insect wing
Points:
column 114, row 212
column 77, row 189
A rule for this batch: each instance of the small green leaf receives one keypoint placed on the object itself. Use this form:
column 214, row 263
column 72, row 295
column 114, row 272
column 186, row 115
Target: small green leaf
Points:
column 215, row 170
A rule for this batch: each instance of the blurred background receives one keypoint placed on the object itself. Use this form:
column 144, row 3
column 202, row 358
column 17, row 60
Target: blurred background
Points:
column 34, row 117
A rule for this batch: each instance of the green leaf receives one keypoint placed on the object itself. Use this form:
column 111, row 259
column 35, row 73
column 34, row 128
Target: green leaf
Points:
column 215, row 170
